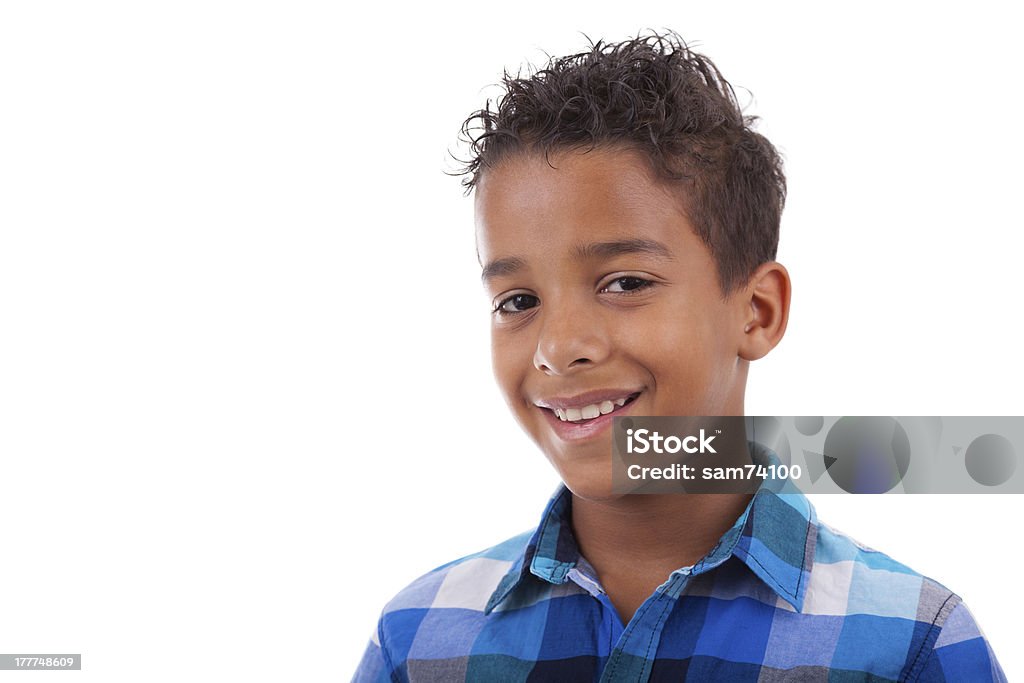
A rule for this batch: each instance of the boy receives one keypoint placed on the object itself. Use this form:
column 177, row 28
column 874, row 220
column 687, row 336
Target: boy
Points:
column 627, row 224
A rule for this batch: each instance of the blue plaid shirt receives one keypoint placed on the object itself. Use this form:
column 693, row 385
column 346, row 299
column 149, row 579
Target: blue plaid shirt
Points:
column 782, row 597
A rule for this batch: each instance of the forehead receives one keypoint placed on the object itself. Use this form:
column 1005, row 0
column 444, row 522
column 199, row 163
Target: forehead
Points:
column 524, row 205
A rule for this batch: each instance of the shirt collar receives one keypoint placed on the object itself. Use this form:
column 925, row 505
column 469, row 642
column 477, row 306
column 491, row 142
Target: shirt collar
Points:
column 775, row 537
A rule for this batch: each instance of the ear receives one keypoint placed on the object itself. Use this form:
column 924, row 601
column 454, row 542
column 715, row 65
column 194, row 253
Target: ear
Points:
column 765, row 306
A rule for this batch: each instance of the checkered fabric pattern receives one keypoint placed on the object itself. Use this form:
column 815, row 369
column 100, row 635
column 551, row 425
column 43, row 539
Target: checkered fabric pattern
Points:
column 781, row 597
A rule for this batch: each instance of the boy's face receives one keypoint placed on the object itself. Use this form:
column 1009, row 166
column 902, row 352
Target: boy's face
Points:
column 603, row 292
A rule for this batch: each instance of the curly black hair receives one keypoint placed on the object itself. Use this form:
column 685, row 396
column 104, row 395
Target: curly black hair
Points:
column 655, row 95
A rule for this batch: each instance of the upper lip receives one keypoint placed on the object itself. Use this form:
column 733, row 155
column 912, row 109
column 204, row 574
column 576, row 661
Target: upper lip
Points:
column 584, row 399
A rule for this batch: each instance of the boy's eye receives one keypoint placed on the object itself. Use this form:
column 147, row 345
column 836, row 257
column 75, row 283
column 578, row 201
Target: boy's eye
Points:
column 627, row 284
column 520, row 303
column 517, row 303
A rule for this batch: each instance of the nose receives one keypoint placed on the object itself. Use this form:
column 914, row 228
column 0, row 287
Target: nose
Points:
column 569, row 341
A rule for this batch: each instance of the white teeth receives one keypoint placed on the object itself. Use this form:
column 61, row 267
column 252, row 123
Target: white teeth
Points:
column 588, row 412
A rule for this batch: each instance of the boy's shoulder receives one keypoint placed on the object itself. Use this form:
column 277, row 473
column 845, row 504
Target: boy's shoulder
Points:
column 870, row 590
column 848, row 577
column 465, row 583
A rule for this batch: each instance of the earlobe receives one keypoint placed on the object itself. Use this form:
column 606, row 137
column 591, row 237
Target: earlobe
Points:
column 767, row 310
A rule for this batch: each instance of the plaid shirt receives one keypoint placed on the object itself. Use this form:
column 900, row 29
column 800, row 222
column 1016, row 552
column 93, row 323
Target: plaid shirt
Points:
column 782, row 597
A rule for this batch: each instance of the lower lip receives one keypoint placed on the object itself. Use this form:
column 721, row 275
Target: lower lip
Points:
column 574, row 431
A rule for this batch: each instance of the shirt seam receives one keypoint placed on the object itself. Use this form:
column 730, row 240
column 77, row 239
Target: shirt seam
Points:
column 540, row 537
column 913, row 673
column 519, row 575
column 657, row 629
column 803, row 564
column 799, row 580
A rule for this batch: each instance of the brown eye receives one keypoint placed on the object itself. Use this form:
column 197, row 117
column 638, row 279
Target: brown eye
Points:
column 517, row 303
column 627, row 284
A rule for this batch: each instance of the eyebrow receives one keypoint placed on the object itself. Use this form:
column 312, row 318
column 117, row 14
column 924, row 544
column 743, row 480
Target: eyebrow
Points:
column 583, row 252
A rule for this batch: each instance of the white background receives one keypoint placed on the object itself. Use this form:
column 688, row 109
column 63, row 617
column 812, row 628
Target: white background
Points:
column 240, row 308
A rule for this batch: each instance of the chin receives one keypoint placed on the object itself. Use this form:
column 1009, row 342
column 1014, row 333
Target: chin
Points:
column 587, row 474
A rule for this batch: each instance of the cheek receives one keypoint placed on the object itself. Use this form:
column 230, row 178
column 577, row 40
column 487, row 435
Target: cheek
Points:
column 671, row 335
column 676, row 347
column 510, row 359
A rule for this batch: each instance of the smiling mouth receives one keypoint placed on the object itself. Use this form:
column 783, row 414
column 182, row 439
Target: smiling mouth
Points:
column 584, row 414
